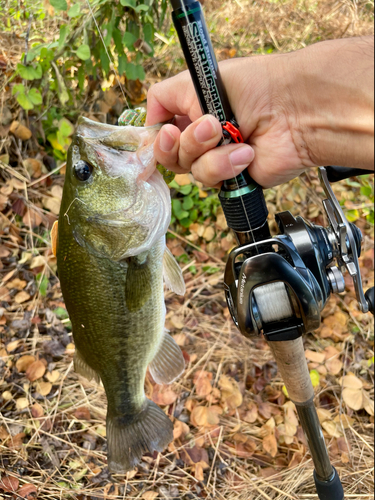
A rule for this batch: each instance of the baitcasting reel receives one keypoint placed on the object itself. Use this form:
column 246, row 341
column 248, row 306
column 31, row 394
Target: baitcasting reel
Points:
column 279, row 285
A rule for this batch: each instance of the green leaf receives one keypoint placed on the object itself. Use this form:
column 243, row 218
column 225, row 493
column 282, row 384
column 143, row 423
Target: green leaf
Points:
column 366, row 191
column 35, row 97
column 63, row 33
column 74, row 10
column 43, row 283
column 188, row 203
column 118, row 40
column 141, row 8
column 84, row 52
column 178, row 211
column 38, row 72
column 185, row 190
column 131, row 71
column 148, row 32
column 128, row 3
column 122, row 64
column 61, row 313
column 26, row 72
column 128, row 40
column 186, row 222
column 352, row 215
column 141, row 75
column 59, row 4
column 315, row 378
column 20, row 87
column 81, row 78
column 24, row 101
column 66, row 128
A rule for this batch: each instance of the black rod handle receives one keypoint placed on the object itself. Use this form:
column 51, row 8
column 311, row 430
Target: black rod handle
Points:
column 336, row 174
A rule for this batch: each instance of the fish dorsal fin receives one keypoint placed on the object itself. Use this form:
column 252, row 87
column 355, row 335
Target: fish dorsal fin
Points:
column 172, row 274
column 168, row 363
column 138, row 283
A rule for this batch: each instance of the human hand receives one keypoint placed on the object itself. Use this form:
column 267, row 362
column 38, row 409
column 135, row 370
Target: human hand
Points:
column 290, row 109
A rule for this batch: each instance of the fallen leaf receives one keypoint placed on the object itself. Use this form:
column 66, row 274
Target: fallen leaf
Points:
column 7, row 396
column 368, row 404
column 9, row 483
column 150, row 495
column 16, row 284
column 334, row 366
column 270, row 445
column 20, row 131
column 315, row 357
column 35, row 371
column 43, row 388
column 27, row 491
column 163, row 395
column 209, row 233
column 252, row 414
column 205, row 417
column 202, row 382
column 22, row 403
column 82, row 413
column 12, row 346
column 180, row 430
column 24, row 362
column 230, row 393
column 182, row 179
column 332, row 428
column 352, row 382
column 37, row 410
column 353, row 398
column 4, row 434
column 53, row 376
column 21, row 297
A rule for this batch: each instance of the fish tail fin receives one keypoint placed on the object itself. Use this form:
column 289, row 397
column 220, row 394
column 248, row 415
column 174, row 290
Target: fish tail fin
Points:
column 130, row 439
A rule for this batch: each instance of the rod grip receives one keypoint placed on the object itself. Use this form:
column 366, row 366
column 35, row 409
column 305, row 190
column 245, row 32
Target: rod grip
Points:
column 329, row 490
column 290, row 358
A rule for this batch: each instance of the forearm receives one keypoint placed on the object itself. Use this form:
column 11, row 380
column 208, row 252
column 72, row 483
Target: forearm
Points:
column 332, row 93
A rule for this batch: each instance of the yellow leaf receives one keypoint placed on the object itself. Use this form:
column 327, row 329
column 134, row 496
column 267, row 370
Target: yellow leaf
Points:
column 12, row 346
column 21, row 297
column 53, row 376
column 315, row 378
column 332, row 429
column 150, row 495
column 270, row 445
column 24, row 362
column 54, row 232
column 22, row 403
column 323, row 415
column 183, row 179
column 7, row 396
column 43, row 388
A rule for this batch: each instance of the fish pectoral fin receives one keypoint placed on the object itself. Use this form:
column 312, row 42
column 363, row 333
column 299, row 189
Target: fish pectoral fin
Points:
column 172, row 274
column 138, row 284
column 131, row 437
column 81, row 367
column 169, row 363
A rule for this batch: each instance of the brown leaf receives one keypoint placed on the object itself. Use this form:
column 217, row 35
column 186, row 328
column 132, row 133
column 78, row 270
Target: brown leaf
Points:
column 334, row 365
column 27, row 491
column 43, row 388
column 15, row 442
column 33, row 166
column 252, row 414
column 9, row 483
column 315, row 357
column 163, row 395
column 21, row 297
column 20, row 131
column 332, row 428
column 205, row 417
column 353, row 398
column 54, row 232
column 4, row 434
column 16, row 284
column 265, row 410
column 368, row 404
column 22, row 403
column 35, row 371
column 180, row 430
column 352, row 382
column 183, row 179
column 82, row 413
column 12, row 346
column 202, row 381
column 270, row 445
column 150, row 495
column 53, row 376
column 37, row 410
column 230, row 393
column 24, row 362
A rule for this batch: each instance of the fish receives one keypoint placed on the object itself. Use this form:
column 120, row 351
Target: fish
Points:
column 112, row 262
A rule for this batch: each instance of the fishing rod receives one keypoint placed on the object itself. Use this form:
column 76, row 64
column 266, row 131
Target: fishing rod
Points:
column 277, row 286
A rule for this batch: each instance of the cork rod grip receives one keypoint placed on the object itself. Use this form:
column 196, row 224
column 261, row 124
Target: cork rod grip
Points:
column 291, row 361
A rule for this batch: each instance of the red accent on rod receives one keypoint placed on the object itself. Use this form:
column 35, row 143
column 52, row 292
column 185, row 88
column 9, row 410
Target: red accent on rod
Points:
column 233, row 132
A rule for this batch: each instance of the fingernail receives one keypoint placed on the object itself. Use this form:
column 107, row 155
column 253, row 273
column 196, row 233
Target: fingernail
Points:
column 167, row 141
column 242, row 157
column 205, row 131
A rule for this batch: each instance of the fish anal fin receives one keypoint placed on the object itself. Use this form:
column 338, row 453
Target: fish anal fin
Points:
column 172, row 273
column 82, row 368
column 149, row 431
column 138, row 284
column 169, row 363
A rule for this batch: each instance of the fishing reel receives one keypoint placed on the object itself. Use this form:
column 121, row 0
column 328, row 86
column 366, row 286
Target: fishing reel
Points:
column 278, row 286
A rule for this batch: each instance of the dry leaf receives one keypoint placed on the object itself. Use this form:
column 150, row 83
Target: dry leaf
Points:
column 202, row 382
column 53, row 376
column 54, row 232
column 21, row 297
column 20, row 131
column 35, row 371
column 180, row 430
column 368, row 404
column 9, row 483
column 252, row 414
column 315, row 357
column 150, row 495
column 7, row 395
column 33, row 166
column 82, row 413
column 270, row 445
column 180, row 339
column 324, row 415
column 344, row 421
column 43, row 388
column 26, row 490
column 230, row 393
column 352, row 382
column 334, row 366
column 205, row 417
column 22, row 403
column 177, row 321
column 37, row 410
column 332, row 428
column 182, row 179
column 17, row 284
column 163, row 395
column 12, row 346
column 24, row 362
column 353, row 398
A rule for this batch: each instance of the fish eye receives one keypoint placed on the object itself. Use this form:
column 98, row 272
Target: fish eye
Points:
column 83, row 170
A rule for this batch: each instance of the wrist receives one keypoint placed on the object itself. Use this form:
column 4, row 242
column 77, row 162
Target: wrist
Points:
column 331, row 98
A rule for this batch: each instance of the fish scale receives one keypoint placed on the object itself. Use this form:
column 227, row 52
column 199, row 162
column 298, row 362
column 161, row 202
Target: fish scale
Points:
column 111, row 258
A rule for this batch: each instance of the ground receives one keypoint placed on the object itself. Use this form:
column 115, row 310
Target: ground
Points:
column 236, row 432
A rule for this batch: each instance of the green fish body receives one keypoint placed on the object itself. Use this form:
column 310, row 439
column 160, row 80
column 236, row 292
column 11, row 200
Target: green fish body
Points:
column 113, row 261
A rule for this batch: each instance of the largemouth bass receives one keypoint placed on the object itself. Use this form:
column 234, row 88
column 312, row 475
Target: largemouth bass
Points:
column 111, row 258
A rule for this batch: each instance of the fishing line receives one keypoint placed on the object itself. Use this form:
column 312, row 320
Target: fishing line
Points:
column 108, row 55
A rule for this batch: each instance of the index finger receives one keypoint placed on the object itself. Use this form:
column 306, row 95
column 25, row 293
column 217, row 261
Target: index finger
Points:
column 173, row 97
